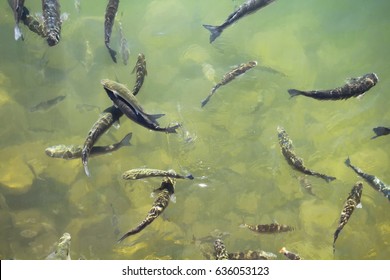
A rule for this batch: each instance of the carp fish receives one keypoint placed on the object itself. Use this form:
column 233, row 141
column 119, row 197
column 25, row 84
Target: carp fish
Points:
column 111, row 9
column 105, row 121
column 380, row 131
column 140, row 73
column 268, row 228
column 249, row 7
column 352, row 202
column 48, row 104
column 355, row 87
column 75, row 151
column 289, row 255
column 295, row 161
column 165, row 192
column 52, row 21
column 229, row 76
column 62, row 249
column 373, row 181
column 140, row 173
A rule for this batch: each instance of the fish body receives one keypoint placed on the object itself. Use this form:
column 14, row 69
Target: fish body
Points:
column 353, row 200
column 75, row 151
column 46, row 105
column 140, row 73
column 229, row 76
column 249, row 7
column 166, row 190
column 295, row 161
column 380, row 131
column 289, row 255
column 20, row 11
column 140, row 173
column 62, row 250
column 269, row 228
column 52, row 21
column 111, row 9
column 220, row 250
column 35, row 25
column 252, row 255
column 355, row 87
column 124, row 45
column 105, row 121
column 373, row 181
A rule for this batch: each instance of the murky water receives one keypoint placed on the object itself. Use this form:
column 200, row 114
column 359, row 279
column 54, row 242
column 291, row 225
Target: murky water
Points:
column 230, row 145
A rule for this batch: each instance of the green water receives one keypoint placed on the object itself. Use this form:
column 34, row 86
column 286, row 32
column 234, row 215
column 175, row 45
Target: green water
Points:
column 233, row 152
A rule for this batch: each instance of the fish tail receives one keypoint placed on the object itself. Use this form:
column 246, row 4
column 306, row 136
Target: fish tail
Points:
column 126, row 140
column 348, row 162
column 123, row 237
column 112, row 52
column 294, row 92
column 329, row 178
column 172, row 129
column 206, row 100
column 84, row 159
column 18, row 33
column 189, row 176
column 215, row 31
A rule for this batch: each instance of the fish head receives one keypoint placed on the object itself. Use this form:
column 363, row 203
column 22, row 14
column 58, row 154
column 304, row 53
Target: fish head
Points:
column 252, row 63
column 53, row 38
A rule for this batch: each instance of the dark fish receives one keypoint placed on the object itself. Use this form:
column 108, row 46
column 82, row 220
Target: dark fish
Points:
column 75, row 151
column 35, row 25
column 249, row 7
column 380, row 131
column 352, row 202
column 139, row 173
column 373, row 181
column 129, row 105
column 295, row 161
column 105, row 121
column 125, row 52
column 166, row 190
column 229, row 76
column 355, row 87
column 46, row 105
column 19, row 13
column 140, row 73
column 289, row 255
column 111, row 10
column 220, row 250
column 269, row 228
column 251, row 255
column 52, row 21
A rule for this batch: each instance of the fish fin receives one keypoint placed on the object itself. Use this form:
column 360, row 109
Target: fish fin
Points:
column 172, row 129
column 189, row 176
column 347, row 162
column 153, row 116
column 173, row 198
column 215, row 31
column 18, row 33
column 294, row 92
column 116, row 124
column 359, row 205
column 126, row 140
column 87, row 170
column 206, row 100
column 329, row 178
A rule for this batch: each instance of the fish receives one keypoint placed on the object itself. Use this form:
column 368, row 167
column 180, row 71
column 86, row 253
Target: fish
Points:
column 114, row 221
column 140, row 73
column 352, row 202
column 111, row 9
column 252, row 255
column 122, row 97
column 35, row 25
column 75, row 151
column 86, row 107
column 372, row 180
column 249, row 7
column 306, row 185
column 220, row 250
column 229, row 76
column 124, row 45
column 140, row 173
column 20, row 12
column 289, row 255
column 295, row 161
column 48, row 104
column 355, row 87
column 62, row 250
column 380, row 131
column 269, row 228
column 109, row 116
column 52, row 21
column 165, row 192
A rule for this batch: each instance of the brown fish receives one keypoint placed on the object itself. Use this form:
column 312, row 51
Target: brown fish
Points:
column 289, row 255
column 111, row 9
column 140, row 73
column 52, row 21
column 140, row 173
column 220, row 250
column 269, row 228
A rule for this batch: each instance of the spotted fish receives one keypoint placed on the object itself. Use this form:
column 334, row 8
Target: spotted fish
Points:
column 353, row 200
column 380, row 131
column 229, row 76
column 355, row 87
column 268, row 228
column 295, row 161
column 165, row 193
column 140, row 73
column 252, row 255
column 249, row 7
column 105, row 121
column 373, row 181
column 220, row 250
column 111, row 9
column 140, row 173
column 62, row 250
column 289, row 255
column 52, row 21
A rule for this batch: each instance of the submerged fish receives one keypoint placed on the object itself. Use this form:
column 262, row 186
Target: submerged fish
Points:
column 105, row 121
column 122, row 98
column 139, row 173
column 231, row 75
column 140, row 73
column 19, row 13
column 249, row 7
column 355, row 87
column 62, row 251
column 295, row 161
column 52, row 21
column 353, row 200
column 86, row 107
column 35, row 25
column 125, row 52
column 46, row 105
column 114, row 221
column 220, row 250
column 380, row 131
column 166, row 190
column 75, row 151
column 111, row 9
column 268, row 228
column 252, row 255
column 289, row 255
column 373, row 181
column 306, row 184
